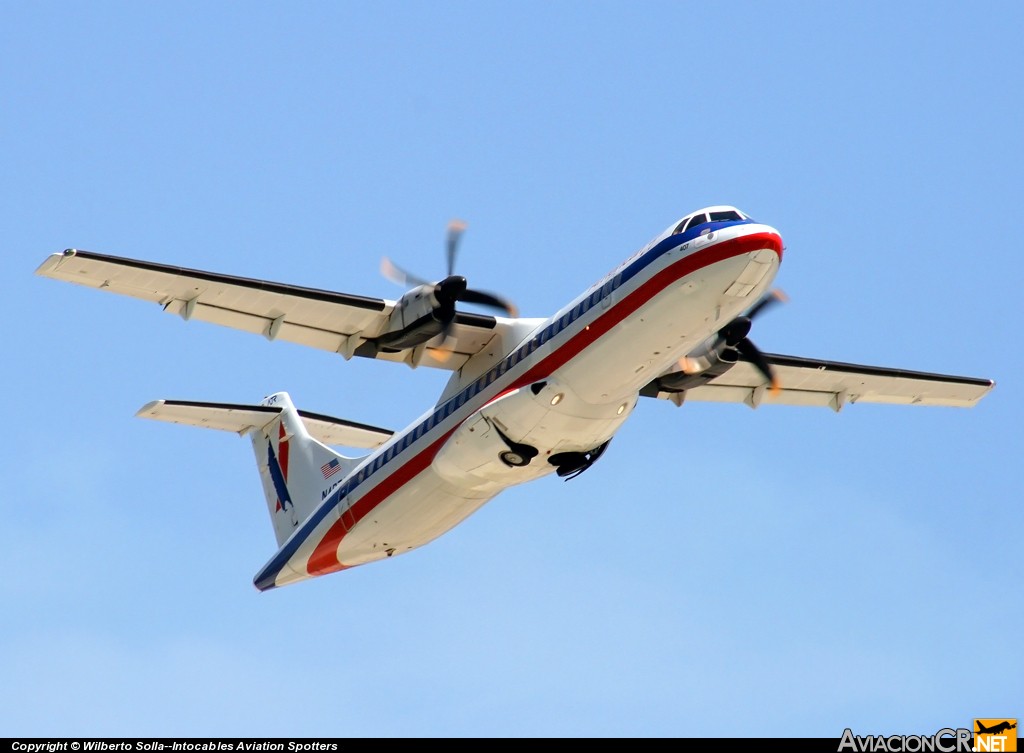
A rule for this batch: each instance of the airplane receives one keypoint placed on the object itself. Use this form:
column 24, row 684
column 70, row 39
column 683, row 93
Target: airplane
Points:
column 995, row 729
column 527, row 397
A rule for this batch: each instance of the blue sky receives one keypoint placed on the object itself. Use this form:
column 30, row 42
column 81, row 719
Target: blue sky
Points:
column 722, row 571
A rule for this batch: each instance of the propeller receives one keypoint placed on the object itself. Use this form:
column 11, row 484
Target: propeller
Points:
column 732, row 343
column 734, row 334
column 452, row 288
column 449, row 291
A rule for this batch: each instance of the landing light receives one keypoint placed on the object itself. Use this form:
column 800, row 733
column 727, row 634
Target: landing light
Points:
column 557, row 398
column 620, row 410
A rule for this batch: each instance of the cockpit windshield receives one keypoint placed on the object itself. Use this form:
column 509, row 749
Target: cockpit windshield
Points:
column 711, row 215
column 697, row 219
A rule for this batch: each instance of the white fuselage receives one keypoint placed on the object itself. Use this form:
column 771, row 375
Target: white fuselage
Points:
column 567, row 387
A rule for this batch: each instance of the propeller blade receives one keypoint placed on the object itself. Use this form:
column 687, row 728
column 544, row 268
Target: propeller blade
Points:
column 771, row 298
column 399, row 276
column 455, row 230
column 483, row 298
column 754, row 355
column 452, row 288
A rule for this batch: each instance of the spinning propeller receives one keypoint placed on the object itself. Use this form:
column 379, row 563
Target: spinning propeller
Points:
column 452, row 288
column 442, row 296
column 734, row 343
column 735, row 336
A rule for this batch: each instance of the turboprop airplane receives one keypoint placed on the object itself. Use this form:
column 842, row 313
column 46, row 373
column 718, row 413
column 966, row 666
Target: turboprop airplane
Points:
column 526, row 398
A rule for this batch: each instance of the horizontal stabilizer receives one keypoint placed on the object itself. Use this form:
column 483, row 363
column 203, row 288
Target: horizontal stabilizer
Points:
column 243, row 418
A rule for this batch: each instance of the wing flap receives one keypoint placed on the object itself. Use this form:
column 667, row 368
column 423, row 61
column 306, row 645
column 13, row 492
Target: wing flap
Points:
column 273, row 328
column 244, row 418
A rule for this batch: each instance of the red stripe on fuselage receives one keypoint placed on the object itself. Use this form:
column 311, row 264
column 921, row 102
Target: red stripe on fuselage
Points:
column 325, row 557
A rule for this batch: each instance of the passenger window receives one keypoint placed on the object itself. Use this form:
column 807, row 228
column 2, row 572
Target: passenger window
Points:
column 697, row 219
column 725, row 216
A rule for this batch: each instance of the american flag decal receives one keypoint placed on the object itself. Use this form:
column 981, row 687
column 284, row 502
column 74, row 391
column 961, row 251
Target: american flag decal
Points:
column 329, row 469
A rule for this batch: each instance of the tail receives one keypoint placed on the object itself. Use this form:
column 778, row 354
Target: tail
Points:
column 297, row 470
column 294, row 467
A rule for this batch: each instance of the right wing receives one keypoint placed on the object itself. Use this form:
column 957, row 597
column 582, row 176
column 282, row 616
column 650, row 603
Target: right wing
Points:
column 810, row 381
column 335, row 322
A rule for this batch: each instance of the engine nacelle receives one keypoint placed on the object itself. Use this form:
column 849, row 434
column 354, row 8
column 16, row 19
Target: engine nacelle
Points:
column 712, row 359
column 418, row 316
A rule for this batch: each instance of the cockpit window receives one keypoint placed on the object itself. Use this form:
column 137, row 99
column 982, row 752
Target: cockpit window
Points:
column 697, row 219
column 722, row 215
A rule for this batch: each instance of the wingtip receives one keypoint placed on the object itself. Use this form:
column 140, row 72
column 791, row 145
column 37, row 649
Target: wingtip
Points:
column 146, row 410
column 53, row 262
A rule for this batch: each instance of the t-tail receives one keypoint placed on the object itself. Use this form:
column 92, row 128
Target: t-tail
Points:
column 295, row 464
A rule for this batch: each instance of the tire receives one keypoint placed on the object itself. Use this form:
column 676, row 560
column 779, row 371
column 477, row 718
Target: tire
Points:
column 514, row 459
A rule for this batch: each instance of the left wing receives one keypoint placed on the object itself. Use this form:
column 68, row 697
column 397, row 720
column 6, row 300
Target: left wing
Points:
column 335, row 322
column 833, row 384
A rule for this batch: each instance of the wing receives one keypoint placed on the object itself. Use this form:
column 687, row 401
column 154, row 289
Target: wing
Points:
column 336, row 322
column 809, row 381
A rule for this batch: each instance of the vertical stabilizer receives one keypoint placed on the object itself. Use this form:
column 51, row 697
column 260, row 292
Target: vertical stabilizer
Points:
column 295, row 468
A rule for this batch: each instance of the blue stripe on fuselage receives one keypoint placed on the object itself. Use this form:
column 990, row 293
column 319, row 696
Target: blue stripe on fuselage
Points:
column 659, row 250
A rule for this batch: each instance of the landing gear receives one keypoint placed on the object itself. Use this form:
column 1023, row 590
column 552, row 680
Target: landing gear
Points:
column 518, row 454
column 571, row 464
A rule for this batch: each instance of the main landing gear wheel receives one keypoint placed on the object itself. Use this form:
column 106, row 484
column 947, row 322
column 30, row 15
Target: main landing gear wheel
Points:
column 518, row 454
column 515, row 459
